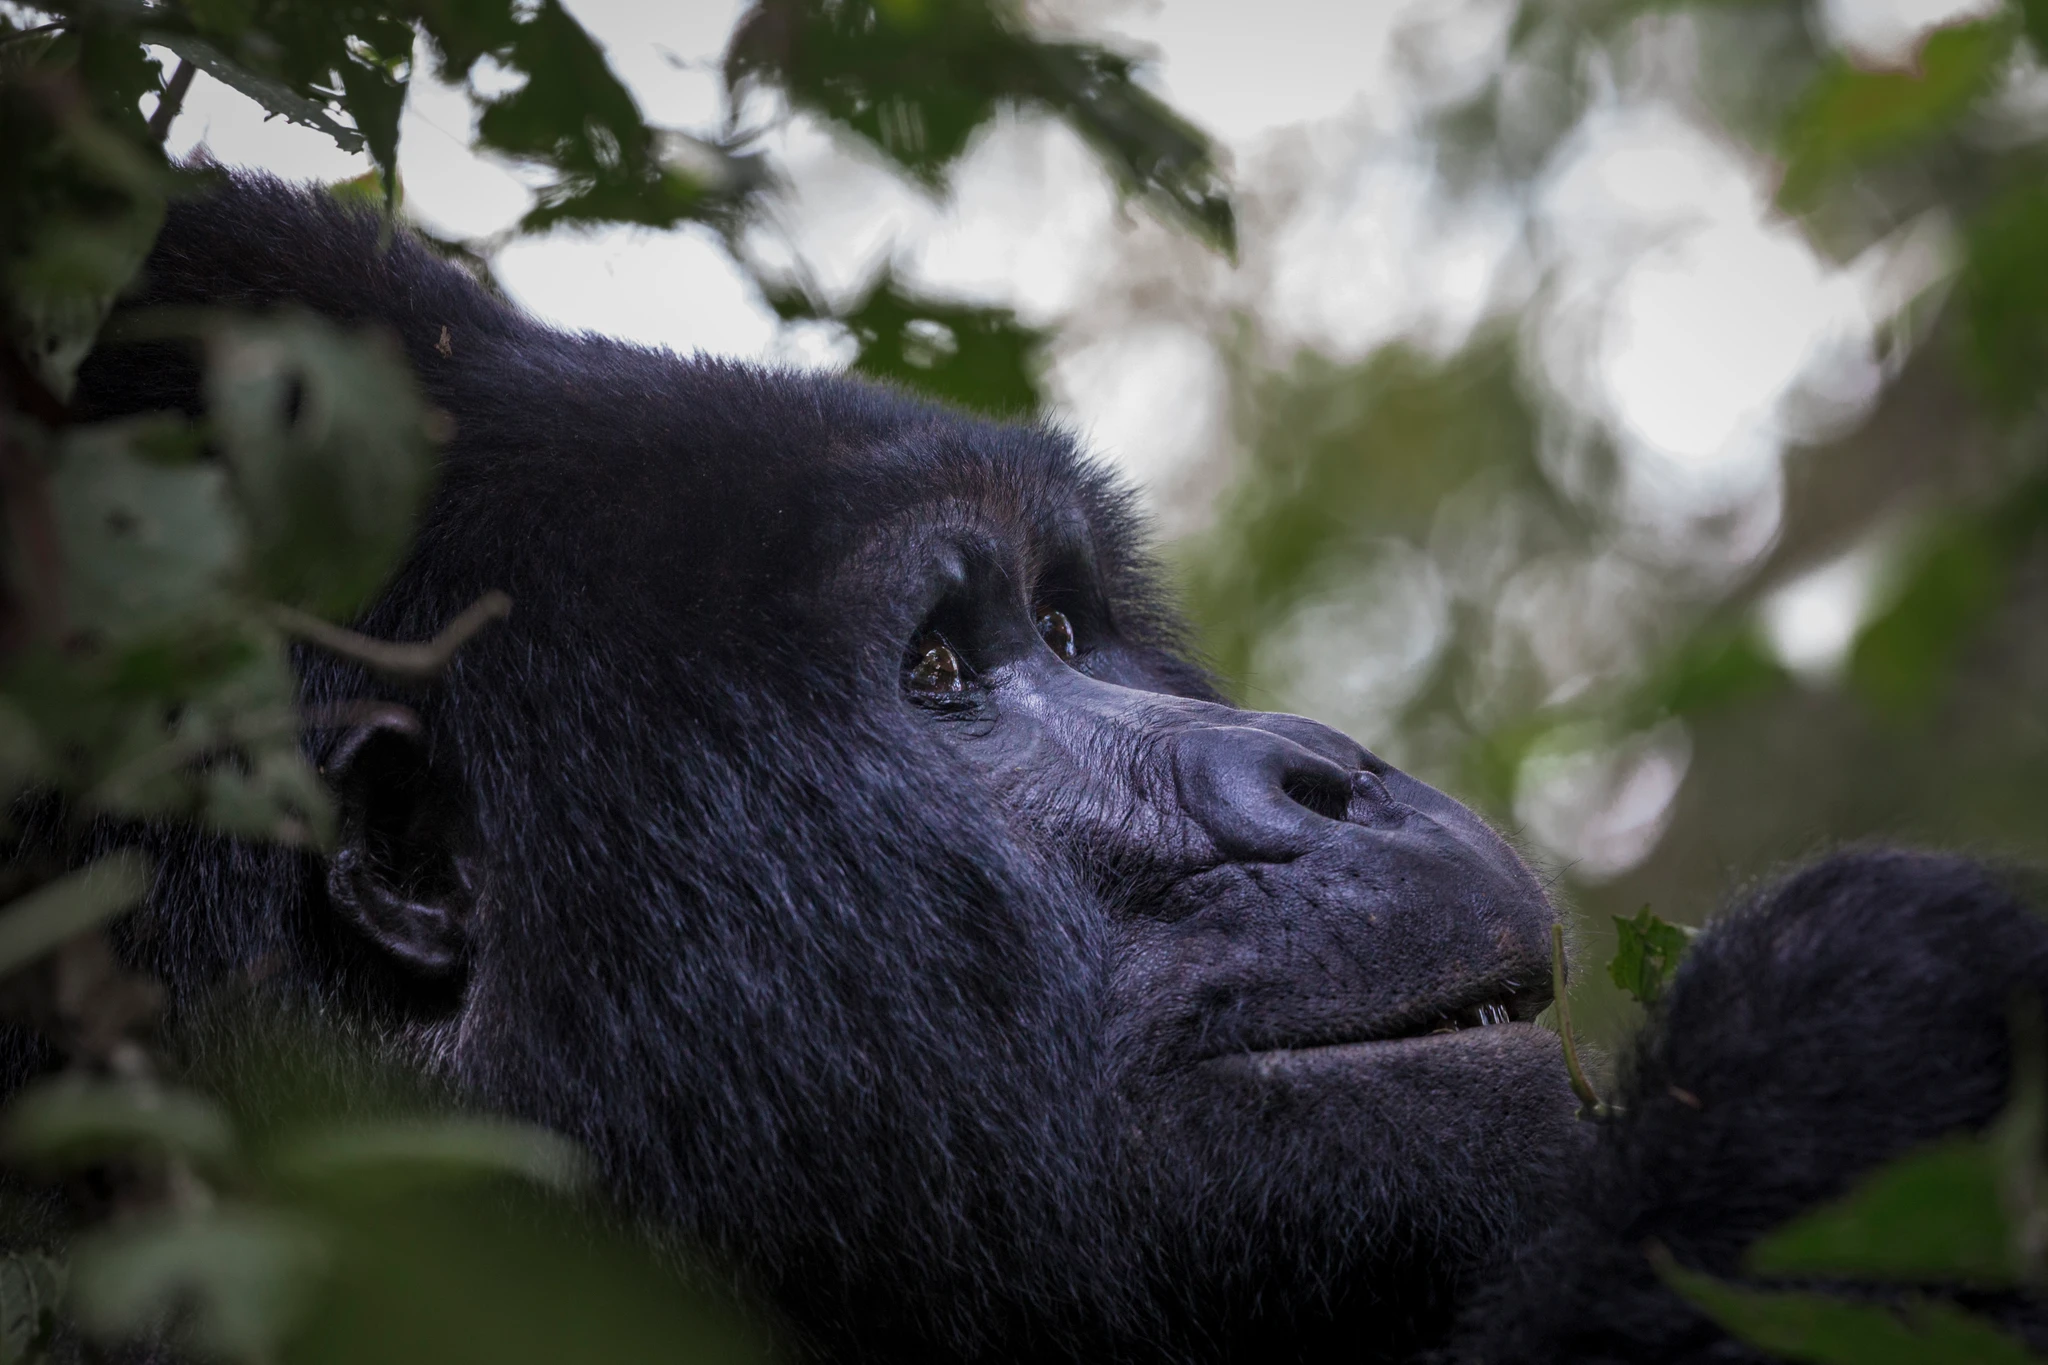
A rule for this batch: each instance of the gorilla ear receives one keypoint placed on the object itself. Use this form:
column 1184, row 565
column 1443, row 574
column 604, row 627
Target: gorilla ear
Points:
column 396, row 875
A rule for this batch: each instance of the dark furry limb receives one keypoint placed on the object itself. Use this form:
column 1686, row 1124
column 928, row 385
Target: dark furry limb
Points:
column 1850, row 1013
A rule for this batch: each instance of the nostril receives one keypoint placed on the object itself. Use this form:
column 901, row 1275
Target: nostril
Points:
column 1371, row 789
column 1327, row 793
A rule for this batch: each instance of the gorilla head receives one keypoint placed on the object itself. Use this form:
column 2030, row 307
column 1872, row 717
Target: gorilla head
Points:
column 839, row 842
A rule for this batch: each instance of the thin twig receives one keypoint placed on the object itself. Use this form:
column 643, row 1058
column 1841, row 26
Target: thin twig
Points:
column 173, row 96
column 1589, row 1098
column 420, row 661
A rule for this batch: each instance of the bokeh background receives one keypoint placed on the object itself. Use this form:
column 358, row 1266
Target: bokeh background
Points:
column 1568, row 425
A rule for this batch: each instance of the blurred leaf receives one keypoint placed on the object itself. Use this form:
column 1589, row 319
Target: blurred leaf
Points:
column 73, row 1120
column 2034, row 17
column 458, row 1273
column 375, row 71
column 980, row 358
column 38, row 922
column 1953, row 579
column 917, row 80
column 1344, row 457
column 435, row 1148
column 31, row 1293
column 1835, row 1331
column 1960, row 1211
column 1933, row 1216
column 573, row 114
column 146, row 546
column 84, row 190
column 2003, row 293
column 1715, row 666
column 326, row 433
column 1647, row 953
column 1852, row 114
column 367, row 190
column 225, row 1282
column 270, row 793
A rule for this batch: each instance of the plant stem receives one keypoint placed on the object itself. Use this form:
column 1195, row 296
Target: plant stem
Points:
column 1591, row 1105
column 173, row 96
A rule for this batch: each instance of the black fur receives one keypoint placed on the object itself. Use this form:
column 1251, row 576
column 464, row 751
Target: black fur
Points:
column 1020, row 1024
column 1854, row 1011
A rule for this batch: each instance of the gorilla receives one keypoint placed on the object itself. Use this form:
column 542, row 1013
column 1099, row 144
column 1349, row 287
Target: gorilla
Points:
column 841, row 842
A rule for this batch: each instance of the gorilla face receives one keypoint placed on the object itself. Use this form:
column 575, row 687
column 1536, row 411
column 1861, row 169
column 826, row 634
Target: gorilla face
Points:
column 839, row 843
column 1321, row 972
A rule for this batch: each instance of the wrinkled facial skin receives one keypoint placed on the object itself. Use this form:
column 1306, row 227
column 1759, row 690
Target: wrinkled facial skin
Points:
column 1322, row 967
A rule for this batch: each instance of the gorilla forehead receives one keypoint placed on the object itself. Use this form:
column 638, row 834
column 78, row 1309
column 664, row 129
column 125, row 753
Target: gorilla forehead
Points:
column 727, row 489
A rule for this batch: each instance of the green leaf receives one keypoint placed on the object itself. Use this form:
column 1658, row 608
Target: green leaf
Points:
column 1851, row 114
column 74, row 1120
column 1646, row 954
column 37, row 923
column 84, row 191
column 574, row 115
column 1960, row 1211
column 484, row 1272
column 1953, row 579
column 917, row 80
column 980, row 358
column 374, row 76
column 2034, row 17
column 146, row 546
column 1713, row 668
column 272, row 794
column 31, row 1293
column 437, row 1148
column 1834, row 1331
column 2003, row 291
column 1936, row 1215
column 326, row 433
column 227, row 1282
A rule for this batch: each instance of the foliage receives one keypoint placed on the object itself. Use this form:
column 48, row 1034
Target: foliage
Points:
column 1648, row 954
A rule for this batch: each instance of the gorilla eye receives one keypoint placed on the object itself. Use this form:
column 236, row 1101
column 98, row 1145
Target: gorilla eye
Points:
column 937, row 670
column 1058, row 632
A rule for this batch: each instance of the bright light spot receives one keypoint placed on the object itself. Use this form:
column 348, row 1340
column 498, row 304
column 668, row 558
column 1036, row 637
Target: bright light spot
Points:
column 1353, row 657
column 1633, row 173
column 449, row 189
column 1888, row 32
column 1698, row 329
column 676, row 289
column 1707, row 334
column 1220, row 60
column 1147, row 399
column 667, row 55
column 1341, row 274
column 1602, row 808
column 1028, row 223
column 1812, row 622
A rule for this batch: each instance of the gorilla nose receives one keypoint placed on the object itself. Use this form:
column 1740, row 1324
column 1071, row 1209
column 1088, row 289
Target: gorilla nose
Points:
column 1262, row 797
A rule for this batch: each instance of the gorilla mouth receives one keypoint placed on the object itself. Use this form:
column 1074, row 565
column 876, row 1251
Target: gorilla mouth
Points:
column 1511, row 1004
column 1490, row 1006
